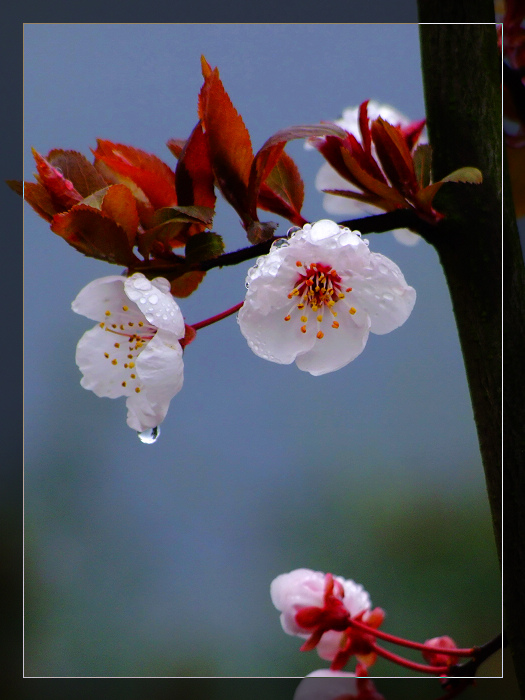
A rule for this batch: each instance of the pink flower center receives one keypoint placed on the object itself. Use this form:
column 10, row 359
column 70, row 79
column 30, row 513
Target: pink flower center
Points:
column 317, row 288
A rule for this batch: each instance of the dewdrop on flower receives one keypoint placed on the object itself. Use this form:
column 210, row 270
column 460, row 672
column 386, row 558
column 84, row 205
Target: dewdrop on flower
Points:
column 315, row 297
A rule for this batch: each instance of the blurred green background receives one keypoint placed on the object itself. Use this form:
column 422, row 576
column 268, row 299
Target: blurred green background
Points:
column 154, row 561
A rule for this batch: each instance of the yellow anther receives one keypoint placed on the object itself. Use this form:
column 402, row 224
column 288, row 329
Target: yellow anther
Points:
column 331, row 302
column 314, row 307
column 117, row 345
column 290, row 295
column 106, row 354
column 304, row 319
column 287, row 318
column 303, row 329
column 131, row 365
column 317, row 288
column 300, row 306
column 137, row 389
column 126, row 365
column 130, row 357
column 133, row 376
column 320, row 335
column 299, row 263
column 335, row 324
column 122, row 327
column 341, row 295
column 102, row 324
column 113, row 362
column 130, row 323
column 320, row 318
column 351, row 310
column 141, row 323
column 114, row 325
column 125, row 308
column 123, row 383
column 108, row 313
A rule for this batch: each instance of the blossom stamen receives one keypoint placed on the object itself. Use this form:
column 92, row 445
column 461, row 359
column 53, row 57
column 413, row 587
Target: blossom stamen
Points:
column 318, row 286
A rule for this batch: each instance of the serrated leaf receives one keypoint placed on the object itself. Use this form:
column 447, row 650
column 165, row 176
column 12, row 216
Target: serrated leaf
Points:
column 228, row 141
column 61, row 190
column 287, row 187
column 422, row 159
column 468, row 174
column 364, row 128
column 119, row 204
column 394, row 156
column 186, row 284
column 203, row 246
column 285, row 181
column 194, row 178
column 176, row 146
column 190, row 214
column 371, row 185
column 76, row 168
column 95, row 234
column 146, row 170
column 270, row 201
column 39, row 198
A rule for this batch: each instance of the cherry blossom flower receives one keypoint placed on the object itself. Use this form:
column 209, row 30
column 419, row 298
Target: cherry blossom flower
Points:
column 304, row 588
column 315, row 297
column 134, row 349
column 328, row 179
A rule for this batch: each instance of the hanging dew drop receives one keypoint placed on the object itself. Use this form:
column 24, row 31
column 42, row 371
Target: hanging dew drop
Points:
column 149, row 436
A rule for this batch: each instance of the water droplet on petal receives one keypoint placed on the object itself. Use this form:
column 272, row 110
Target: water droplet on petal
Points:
column 142, row 283
column 387, row 296
column 149, row 436
column 153, row 299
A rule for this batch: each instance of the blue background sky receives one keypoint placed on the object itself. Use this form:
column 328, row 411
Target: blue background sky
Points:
column 157, row 560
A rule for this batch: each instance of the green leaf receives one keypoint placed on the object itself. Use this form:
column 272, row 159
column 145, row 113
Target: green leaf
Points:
column 203, row 246
column 468, row 174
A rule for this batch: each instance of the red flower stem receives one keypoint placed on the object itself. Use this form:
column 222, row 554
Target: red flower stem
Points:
column 218, row 317
column 407, row 643
column 434, row 670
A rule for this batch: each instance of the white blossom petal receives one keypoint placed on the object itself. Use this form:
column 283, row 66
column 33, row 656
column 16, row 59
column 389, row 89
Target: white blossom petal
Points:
column 315, row 297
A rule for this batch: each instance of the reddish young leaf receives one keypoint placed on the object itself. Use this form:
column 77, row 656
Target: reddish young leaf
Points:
column 394, row 156
column 148, row 172
column 368, row 198
column 273, row 166
column 95, row 234
column 228, row 140
column 194, row 175
column 37, row 196
column 62, row 190
column 270, row 201
column 371, row 185
column 283, row 191
column 176, row 146
column 412, row 132
column 76, row 168
column 119, row 204
column 187, row 283
column 364, row 128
